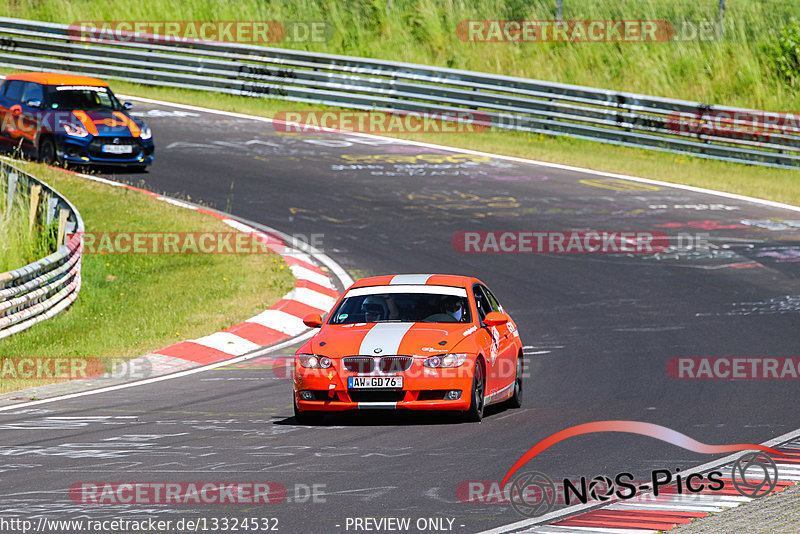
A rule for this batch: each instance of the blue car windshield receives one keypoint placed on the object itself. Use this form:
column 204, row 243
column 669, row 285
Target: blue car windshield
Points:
column 82, row 98
column 401, row 307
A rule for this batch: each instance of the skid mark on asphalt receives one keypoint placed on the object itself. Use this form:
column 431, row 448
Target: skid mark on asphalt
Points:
column 68, row 423
column 511, row 413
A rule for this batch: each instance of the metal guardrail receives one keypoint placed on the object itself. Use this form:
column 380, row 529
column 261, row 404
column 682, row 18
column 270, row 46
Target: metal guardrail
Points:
column 48, row 286
column 679, row 126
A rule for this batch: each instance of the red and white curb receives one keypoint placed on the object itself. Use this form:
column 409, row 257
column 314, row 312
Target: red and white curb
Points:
column 650, row 514
column 314, row 292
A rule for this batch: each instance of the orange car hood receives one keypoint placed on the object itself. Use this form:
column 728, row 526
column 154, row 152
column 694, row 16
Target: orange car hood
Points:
column 413, row 339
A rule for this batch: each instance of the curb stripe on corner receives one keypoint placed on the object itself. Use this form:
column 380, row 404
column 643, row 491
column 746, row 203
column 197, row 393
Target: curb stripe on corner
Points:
column 314, row 292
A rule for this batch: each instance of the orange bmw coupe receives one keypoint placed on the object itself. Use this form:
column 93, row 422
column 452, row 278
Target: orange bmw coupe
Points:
column 410, row 341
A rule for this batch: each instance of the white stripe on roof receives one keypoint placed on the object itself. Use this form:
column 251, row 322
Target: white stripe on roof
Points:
column 383, row 290
column 410, row 279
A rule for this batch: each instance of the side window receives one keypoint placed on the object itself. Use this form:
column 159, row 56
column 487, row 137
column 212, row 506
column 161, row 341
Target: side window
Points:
column 481, row 302
column 13, row 90
column 492, row 300
column 32, row 91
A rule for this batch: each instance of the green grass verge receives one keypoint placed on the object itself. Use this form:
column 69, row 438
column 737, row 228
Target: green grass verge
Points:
column 761, row 182
column 130, row 305
column 743, row 68
column 19, row 243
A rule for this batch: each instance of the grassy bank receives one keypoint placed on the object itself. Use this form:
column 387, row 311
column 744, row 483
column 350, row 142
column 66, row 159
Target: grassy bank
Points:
column 19, row 243
column 741, row 68
column 132, row 304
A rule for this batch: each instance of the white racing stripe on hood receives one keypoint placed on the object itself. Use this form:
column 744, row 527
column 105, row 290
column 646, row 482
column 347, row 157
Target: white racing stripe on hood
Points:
column 386, row 336
column 410, row 279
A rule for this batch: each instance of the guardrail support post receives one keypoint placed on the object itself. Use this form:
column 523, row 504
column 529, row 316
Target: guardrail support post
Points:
column 52, row 208
column 63, row 215
column 36, row 193
column 12, row 189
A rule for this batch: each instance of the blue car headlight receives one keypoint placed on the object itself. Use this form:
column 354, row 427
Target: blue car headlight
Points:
column 146, row 133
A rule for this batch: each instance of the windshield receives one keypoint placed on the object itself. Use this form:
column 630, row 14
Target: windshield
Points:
column 402, row 307
column 88, row 98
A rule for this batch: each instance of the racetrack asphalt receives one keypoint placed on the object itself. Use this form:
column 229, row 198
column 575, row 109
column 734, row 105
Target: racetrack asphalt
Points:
column 599, row 329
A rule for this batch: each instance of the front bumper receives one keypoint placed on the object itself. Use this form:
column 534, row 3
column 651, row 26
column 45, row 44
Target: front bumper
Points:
column 423, row 389
column 88, row 150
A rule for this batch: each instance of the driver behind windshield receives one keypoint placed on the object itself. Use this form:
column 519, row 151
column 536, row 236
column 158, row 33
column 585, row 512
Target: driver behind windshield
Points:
column 372, row 312
column 454, row 307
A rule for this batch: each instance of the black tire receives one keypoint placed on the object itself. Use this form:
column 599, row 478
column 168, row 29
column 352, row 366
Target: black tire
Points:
column 307, row 417
column 47, row 151
column 516, row 399
column 475, row 412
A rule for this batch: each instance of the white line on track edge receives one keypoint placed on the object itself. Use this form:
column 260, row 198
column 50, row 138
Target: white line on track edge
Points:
column 255, row 353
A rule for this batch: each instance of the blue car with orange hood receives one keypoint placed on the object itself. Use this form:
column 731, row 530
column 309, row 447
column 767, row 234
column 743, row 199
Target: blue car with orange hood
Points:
column 65, row 118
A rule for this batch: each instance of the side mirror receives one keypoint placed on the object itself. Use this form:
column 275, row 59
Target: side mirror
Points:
column 34, row 104
column 127, row 105
column 312, row 320
column 495, row 319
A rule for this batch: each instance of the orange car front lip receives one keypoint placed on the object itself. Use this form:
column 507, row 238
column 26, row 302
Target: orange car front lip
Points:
column 413, row 384
column 340, row 406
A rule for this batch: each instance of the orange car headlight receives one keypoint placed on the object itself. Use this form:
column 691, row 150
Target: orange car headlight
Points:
column 75, row 130
column 312, row 361
column 446, row 360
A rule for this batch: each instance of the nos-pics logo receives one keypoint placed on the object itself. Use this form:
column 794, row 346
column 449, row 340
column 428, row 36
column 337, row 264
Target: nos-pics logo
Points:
column 533, row 493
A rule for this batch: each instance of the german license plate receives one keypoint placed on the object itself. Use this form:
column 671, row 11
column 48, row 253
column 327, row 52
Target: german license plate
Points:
column 375, row 382
column 117, row 149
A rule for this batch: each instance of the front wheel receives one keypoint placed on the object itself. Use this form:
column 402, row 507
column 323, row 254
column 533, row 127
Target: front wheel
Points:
column 47, row 151
column 516, row 399
column 475, row 412
column 306, row 418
